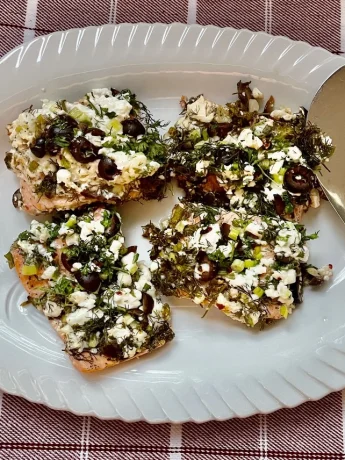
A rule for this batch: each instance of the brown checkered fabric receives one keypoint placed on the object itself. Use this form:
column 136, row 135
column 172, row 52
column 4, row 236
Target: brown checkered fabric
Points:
column 313, row 431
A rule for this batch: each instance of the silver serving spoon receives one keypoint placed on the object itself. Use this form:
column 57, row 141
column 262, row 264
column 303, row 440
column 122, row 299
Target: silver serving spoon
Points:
column 327, row 111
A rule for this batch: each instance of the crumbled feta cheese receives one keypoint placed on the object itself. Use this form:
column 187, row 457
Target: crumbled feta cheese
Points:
column 88, row 228
column 207, row 241
column 285, row 114
column 126, row 298
column 254, row 228
column 63, row 176
column 273, row 189
column 129, row 262
column 76, row 266
column 124, row 279
column 248, row 139
column 115, row 247
column 201, row 110
column 276, row 167
column 52, row 309
column 83, row 299
column 72, row 240
column 48, row 273
column 276, row 155
column 119, row 333
column 201, row 167
column 294, row 153
column 154, row 266
column 40, row 231
column 257, row 94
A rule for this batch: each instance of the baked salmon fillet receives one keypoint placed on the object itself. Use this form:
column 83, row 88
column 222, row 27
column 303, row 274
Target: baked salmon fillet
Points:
column 104, row 148
column 248, row 153
column 91, row 287
column 252, row 268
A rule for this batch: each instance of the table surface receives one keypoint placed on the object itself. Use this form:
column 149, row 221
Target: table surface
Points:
column 313, row 431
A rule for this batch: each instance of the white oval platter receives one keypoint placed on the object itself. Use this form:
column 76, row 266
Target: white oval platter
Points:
column 214, row 369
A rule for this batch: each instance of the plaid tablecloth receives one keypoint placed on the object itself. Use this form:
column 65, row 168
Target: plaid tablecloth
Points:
column 314, row 431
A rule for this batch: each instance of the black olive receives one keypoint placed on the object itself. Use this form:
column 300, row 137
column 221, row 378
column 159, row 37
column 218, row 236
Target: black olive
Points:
column 95, row 132
column 8, row 160
column 133, row 127
column 209, row 199
column 206, row 275
column 148, row 303
column 39, row 148
column 114, row 91
column 17, row 199
column 223, row 129
column 201, row 256
column 279, row 205
column 66, row 262
column 297, row 289
column 269, row 107
column 112, row 350
column 225, row 230
column 90, row 282
column 68, row 120
column 298, row 179
column 186, row 145
column 52, row 148
column 244, row 93
column 114, row 227
column 60, row 131
column 132, row 249
column 83, row 151
column 203, row 231
column 107, row 168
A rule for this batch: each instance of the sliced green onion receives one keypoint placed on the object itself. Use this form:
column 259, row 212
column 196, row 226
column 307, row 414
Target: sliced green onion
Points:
column 71, row 221
column 237, row 265
column 284, row 311
column 93, row 342
column 258, row 291
column 278, row 178
column 250, row 263
column 264, row 164
column 257, row 253
column 195, row 135
column 178, row 247
column 9, row 259
column 177, row 215
column 33, row 165
column 65, row 163
column 234, row 232
column 205, row 134
column 29, row 270
column 80, row 116
column 115, row 125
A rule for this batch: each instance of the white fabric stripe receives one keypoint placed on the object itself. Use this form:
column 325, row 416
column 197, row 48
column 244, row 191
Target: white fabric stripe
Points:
column 269, row 16
column 260, row 436
column 343, row 412
column 30, row 19
column 342, row 42
column 87, row 438
column 114, row 11
column 111, row 11
column 263, row 444
column 191, row 18
column 175, row 441
column 82, row 441
column 266, row 14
